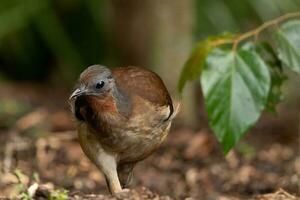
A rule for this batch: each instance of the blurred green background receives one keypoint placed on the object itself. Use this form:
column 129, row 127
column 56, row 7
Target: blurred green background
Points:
column 52, row 41
column 56, row 39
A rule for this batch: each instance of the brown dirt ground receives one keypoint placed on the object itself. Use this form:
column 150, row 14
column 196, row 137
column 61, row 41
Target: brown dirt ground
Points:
column 41, row 143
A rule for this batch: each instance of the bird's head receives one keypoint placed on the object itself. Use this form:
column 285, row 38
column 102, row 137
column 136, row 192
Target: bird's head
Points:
column 94, row 91
column 96, row 80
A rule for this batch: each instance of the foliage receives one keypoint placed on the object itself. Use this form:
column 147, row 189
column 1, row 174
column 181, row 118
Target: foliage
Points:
column 240, row 81
column 37, row 33
column 21, row 186
column 235, row 87
column 194, row 65
column 277, row 74
column 27, row 193
column 288, row 41
column 213, row 17
column 58, row 195
column 20, row 176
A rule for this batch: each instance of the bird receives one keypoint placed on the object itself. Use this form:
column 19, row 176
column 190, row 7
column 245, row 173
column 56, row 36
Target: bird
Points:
column 122, row 116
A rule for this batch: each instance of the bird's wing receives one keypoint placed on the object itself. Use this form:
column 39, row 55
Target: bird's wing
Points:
column 144, row 83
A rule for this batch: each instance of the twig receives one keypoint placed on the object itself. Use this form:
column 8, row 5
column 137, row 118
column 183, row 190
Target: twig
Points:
column 255, row 32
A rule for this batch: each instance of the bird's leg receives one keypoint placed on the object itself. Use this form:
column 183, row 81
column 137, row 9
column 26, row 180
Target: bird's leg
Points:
column 108, row 165
column 125, row 172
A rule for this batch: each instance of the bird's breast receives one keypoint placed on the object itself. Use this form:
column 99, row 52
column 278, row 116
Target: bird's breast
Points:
column 132, row 138
column 136, row 137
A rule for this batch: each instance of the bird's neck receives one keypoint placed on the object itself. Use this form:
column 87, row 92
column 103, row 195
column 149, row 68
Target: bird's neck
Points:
column 123, row 101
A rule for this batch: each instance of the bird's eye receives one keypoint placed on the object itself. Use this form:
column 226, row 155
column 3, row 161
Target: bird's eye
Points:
column 100, row 85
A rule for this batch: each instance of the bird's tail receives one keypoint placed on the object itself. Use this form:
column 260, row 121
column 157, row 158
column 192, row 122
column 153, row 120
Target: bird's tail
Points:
column 176, row 106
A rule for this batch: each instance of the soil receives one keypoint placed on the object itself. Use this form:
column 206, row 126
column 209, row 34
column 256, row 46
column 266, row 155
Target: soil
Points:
column 39, row 146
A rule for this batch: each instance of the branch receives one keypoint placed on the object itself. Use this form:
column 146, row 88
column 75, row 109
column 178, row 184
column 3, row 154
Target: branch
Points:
column 255, row 32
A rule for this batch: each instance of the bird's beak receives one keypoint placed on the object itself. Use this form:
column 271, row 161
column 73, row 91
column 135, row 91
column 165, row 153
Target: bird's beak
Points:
column 76, row 93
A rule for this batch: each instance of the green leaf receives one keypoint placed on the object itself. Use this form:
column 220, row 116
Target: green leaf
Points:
column 235, row 87
column 288, row 40
column 277, row 75
column 193, row 67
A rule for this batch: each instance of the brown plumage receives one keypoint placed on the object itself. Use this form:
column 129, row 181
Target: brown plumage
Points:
column 123, row 116
column 142, row 82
